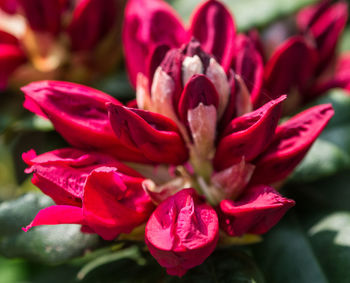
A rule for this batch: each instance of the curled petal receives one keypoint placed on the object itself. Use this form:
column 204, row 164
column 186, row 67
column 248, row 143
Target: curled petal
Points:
column 79, row 114
column 43, row 15
column 248, row 63
column 256, row 211
column 212, row 24
column 112, row 206
column 57, row 214
column 148, row 23
column 61, row 174
column 247, row 136
column 155, row 136
column 283, row 71
column 290, row 144
column 198, row 90
column 182, row 232
column 309, row 15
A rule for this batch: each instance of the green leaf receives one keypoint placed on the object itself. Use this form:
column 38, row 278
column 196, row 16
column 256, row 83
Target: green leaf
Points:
column 248, row 13
column 48, row 244
column 286, row 255
column 329, row 235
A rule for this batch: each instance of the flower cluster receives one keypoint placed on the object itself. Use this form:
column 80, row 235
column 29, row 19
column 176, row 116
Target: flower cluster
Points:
column 199, row 151
column 62, row 39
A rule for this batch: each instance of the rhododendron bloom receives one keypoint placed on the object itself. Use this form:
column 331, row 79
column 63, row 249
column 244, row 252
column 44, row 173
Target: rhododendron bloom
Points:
column 59, row 39
column 199, row 153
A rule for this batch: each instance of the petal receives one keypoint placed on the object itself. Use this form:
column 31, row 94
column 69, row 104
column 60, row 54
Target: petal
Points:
column 309, row 15
column 61, row 174
column 91, row 21
column 112, row 206
column 290, row 144
column 247, row 136
column 182, row 232
column 79, row 114
column 282, row 71
column 153, row 135
column 249, row 64
column 212, row 24
column 148, row 23
column 43, row 15
column 198, row 90
column 57, row 214
column 256, row 211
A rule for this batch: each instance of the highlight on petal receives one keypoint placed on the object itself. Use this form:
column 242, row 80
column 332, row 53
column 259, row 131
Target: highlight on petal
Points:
column 198, row 90
column 283, row 71
column 113, row 204
column 61, row 174
column 148, row 23
column 182, row 232
column 248, row 135
column 290, row 144
column 79, row 114
column 212, row 24
column 248, row 63
column 91, row 21
column 153, row 135
column 256, row 211
column 57, row 214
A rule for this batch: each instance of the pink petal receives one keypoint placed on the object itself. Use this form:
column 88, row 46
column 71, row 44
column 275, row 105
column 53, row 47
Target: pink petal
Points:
column 182, row 232
column 57, row 214
column 199, row 89
column 248, row 135
column 91, row 21
column 290, row 144
column 111, row 206
column 248, row 63
column 155, row 136
column 79, row 114
column 212, row 24
column 61, row 174
column 256, row 211
column 283, row 71
column 309, row 15
column 43, row 15
column 148, row 23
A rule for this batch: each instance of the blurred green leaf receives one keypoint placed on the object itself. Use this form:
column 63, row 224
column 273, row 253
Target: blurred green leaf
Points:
column 286, row 255
column 13, row 271
column 248, row 13
column 48, row 244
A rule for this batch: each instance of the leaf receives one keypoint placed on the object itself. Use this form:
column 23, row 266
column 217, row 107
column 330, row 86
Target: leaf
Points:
column 48, row 244
column 248, row 13
column 286, row 256
column 13, row 271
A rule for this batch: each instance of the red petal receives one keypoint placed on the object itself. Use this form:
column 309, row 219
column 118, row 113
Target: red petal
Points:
column 79, row 114
column 283, row 71
column 148, row 23
column 212, row 24
column 290, row 144
column 153, row 135
column 256, row 211
column 249, row 64
column 247, row 136
column 182, row 232
column 199, row 89
column 57, row 214
column 91, row 21
column 111, row 206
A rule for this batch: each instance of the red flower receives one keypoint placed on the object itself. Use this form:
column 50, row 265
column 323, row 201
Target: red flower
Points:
column 195, row 114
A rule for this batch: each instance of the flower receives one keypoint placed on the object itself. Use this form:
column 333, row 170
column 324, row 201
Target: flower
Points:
column 197, row 155
column 146, row 40
column 58, row 39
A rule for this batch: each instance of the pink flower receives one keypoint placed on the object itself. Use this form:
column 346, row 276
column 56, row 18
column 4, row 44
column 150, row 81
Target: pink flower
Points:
column 206, row 152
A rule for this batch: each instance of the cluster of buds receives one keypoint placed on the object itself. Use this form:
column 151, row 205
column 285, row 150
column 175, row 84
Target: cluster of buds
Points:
column 195, row 158
column 58, row 39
